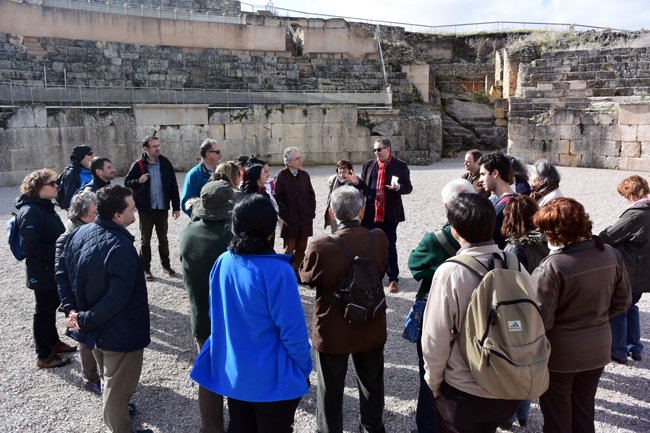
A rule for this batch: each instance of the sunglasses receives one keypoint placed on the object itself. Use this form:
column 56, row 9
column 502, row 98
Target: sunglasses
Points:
column 218, row 152
column 51, row 183
column 378, row 149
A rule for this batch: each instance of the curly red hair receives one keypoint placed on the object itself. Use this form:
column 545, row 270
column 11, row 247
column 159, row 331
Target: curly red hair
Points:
column 634, row 185
column 564, row 222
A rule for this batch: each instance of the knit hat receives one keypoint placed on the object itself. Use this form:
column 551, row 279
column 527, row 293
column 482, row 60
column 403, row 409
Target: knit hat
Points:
column 79, row 152
column 216, row 201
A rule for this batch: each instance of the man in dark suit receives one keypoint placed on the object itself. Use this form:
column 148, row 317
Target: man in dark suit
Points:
column 384, row 209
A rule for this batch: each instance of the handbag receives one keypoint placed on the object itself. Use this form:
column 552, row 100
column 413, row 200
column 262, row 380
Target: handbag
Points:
column 413, row 325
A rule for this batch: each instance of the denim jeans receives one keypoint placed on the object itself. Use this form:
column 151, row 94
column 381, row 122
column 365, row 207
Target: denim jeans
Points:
column 425, row 417
column 522, row 413
column 626, row 331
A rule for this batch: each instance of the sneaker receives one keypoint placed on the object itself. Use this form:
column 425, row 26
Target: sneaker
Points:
column 393, row 287
column 148, row 276
column 61, row 347
column 169, row 271
column 94, row 387
column 52, row 361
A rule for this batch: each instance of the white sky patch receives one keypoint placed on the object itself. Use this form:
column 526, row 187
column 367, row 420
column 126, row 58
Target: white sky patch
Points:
column 622, row 14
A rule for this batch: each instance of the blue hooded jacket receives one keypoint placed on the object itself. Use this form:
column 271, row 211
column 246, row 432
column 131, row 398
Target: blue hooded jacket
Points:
column 259, row 347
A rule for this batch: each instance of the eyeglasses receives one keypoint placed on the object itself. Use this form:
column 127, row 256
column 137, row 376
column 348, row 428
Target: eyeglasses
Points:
column 51, row 183
column 218, row 152
column 378, row 149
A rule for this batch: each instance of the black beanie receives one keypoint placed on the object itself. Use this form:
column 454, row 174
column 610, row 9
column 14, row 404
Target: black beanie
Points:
column 79, row 152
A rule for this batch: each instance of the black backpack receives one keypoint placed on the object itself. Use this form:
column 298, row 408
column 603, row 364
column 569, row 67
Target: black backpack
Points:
column 59, row 181
column 362, row 293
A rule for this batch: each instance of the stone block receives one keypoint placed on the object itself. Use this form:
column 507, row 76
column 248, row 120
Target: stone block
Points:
column 594, row 161
column 569, row 160
column 627, row 132
column 561, row 146
column 219, row 117
column 332, row 114
column 193, row 135
column 168, row 134
column 501, row 103
column 645, row 149
column 22, row 118
column 639, row 164
column 631, row 149
column 521, row 131
column 609, row 132
column 216, row 132
column 335, row 23
column 500, row 113
column 605, row 119
column 614, row 163
column 643, row 133
column 564, row 116
column 544, row 86
column 591, row 133
column 501, row 122
column 546, row 132
column 634, row 114
column 295, row 114
column 238, row 131
column 577, row 85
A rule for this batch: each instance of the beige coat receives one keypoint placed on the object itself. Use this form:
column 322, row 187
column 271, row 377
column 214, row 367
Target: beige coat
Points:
column 451, row 291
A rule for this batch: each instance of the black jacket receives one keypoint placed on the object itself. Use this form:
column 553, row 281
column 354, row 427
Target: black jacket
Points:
column 101, row 268
column 394, row 210
column 71, row 182
column 141, row 191
column 38, row 235
column 631, row 237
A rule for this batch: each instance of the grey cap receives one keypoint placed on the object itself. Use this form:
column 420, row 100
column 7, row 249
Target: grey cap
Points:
column 216, row 201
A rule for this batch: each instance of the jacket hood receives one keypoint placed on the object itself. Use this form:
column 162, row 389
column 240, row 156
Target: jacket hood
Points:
column 24, row 199
column 535, row 237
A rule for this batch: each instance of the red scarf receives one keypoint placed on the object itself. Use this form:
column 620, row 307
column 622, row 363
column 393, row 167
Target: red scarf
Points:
column 380, row 196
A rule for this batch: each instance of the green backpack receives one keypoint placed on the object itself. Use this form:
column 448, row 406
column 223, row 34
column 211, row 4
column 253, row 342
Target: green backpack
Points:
column 502, row 338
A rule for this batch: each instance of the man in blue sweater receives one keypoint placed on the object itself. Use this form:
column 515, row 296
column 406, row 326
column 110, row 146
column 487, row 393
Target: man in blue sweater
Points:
column 199, row 175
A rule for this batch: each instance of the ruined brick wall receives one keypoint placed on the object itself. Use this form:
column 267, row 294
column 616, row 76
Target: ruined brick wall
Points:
column 463, row 70
column 229, row 7
column 617, row 137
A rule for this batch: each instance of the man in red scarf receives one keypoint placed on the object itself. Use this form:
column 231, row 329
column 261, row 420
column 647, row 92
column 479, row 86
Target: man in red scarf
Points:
column 387, row 179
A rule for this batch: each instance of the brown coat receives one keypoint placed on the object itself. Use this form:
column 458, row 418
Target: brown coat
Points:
column 324, row 267
column 474, row 179
column 296, row 203
column 578, row 288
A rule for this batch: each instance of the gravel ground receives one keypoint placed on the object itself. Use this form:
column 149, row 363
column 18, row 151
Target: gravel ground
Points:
column 36, row 400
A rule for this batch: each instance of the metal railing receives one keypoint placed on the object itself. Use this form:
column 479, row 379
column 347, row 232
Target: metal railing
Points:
column 125, row 8
column 109, row 97
column 381, row 57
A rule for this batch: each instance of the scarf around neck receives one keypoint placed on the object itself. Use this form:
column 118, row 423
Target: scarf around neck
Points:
column 380, row 196
column 540, row 190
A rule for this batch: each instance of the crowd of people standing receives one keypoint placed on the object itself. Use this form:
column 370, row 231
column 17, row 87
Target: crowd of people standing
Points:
column 246, row 313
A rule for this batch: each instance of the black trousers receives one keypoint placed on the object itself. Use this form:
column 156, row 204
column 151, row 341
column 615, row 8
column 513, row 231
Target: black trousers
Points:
column 45, row 333
column 150, row 219
column 369, row 370
column 459, row 412
column 271, row 417
column 391, row 233
column 568, row 404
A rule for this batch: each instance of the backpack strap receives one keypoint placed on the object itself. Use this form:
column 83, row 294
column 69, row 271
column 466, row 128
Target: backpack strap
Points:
column 512, row 262
column 470, row 263
column 141, row 164
column 348, row 253
column 503, row 200
column 444, row 242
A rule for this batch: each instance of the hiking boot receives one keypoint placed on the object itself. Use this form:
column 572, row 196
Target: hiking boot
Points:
column 148, row 276
column 393, row 287
column 52, row 361
column 169, row 271
column 61, row 347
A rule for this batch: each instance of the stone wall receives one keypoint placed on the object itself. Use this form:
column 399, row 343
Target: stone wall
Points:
column 614, row 137
column 113, row 64
column 463, row 70
column 229, row 7
column 34, row 137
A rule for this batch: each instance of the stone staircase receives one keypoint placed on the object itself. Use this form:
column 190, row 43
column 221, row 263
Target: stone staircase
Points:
column 567, row 79
column 34, row 48
column 303, row 63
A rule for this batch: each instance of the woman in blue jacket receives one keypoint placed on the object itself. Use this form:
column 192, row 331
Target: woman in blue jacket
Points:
column 258, row 354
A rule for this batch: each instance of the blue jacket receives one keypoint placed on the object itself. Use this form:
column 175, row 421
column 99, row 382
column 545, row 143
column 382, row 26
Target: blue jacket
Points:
column 75, row 176
column 259, row 348
column 195, row 179
column 101, row 268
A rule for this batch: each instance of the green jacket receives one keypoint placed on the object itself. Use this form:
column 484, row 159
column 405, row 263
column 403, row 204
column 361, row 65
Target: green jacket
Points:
column 427, row 257
column 201, row 244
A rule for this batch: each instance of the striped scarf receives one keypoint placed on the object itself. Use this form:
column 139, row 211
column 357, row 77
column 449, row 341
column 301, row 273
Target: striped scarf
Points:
column 380, row 196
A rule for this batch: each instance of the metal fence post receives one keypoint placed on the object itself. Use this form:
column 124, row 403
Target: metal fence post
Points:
column 97, row 100
column 81, row 99
column 11, row 89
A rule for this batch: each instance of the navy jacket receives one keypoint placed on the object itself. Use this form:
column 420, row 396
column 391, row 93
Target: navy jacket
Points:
column 394, row 210
column 100, row 267
column 38, row 234
column 141, row 191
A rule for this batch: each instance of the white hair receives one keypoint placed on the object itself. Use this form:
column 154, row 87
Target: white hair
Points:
column 451, row 191
column 286, row 156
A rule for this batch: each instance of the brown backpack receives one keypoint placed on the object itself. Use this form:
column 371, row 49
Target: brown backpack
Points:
column 361, row 294
column 502, row 338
